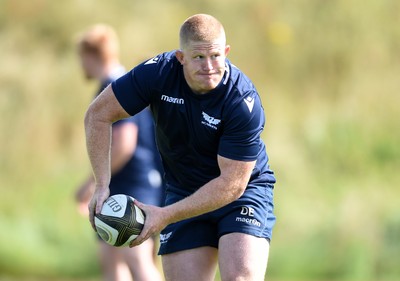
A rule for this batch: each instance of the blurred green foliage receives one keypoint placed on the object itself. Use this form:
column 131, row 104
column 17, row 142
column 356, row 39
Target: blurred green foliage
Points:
column 328, row 73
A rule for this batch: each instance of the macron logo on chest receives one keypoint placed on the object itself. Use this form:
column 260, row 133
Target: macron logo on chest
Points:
column 172, row 100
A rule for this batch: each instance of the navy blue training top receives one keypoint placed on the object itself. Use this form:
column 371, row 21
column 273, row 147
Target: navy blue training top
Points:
column 192, row 129
column 143, row 172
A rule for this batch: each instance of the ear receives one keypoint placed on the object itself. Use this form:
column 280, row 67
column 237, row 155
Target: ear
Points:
column 180, row 57
column 227, row 49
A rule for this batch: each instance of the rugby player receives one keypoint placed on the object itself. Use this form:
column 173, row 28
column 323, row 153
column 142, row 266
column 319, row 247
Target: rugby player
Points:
column 209, row 117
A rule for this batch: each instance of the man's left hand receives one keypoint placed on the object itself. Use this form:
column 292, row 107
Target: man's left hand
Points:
column 155, row 221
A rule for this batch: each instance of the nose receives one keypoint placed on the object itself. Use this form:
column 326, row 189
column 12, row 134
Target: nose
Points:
column 207, row 64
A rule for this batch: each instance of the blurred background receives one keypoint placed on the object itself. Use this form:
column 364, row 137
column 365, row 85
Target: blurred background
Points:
column 329, row 76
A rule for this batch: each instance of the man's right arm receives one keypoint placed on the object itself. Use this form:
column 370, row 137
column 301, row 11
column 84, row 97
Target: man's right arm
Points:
column 102, row 112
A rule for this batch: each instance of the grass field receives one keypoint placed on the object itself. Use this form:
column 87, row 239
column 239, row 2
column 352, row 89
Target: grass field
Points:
column 327, row 71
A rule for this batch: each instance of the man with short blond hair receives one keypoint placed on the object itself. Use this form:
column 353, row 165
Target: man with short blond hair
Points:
column 204, row 29
column 209, row 117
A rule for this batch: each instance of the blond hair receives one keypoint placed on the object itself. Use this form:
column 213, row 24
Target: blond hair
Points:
column 201, row 28
column 99, row 40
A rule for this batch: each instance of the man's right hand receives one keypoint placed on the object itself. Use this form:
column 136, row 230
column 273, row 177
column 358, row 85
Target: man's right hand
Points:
column 96, row 203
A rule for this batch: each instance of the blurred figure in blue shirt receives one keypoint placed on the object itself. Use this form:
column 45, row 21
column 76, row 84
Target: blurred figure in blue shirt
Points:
column 135, row 166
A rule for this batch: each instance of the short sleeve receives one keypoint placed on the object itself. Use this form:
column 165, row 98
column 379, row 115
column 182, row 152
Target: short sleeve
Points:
column 133, row 90
column 132, row 120
column 240, row 139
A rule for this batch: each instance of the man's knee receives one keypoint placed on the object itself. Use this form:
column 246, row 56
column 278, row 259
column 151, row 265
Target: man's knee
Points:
column 238, row 274
column 246, row 260
column 242, row 271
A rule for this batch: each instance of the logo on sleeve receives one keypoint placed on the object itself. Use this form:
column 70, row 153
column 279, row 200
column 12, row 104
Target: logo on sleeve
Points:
column 250, row 103
column 210, row 121
column 152, row 60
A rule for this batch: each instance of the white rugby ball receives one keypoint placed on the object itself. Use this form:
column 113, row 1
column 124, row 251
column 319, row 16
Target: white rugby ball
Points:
column 120, row 220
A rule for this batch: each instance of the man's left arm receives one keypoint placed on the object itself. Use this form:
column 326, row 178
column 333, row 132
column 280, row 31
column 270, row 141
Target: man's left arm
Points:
column 224, row 189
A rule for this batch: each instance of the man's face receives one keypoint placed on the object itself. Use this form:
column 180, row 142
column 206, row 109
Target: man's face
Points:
column 91, row 65
column 203, row 64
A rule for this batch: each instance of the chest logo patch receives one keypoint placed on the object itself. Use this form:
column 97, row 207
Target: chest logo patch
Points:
column 210, row 121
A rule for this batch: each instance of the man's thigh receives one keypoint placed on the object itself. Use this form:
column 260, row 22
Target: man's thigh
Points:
column 243, row 257
column 197, row 264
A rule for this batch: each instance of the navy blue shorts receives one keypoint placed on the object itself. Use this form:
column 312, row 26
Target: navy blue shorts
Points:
column 251, row 214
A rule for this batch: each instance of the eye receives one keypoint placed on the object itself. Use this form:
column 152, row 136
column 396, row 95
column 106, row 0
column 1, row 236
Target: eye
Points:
column 198, row 57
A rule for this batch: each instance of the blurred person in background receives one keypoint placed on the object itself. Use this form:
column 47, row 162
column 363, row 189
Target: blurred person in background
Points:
column 135, row 166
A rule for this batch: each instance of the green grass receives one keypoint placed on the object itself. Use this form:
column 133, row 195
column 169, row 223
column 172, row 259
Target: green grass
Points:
column 328, row 75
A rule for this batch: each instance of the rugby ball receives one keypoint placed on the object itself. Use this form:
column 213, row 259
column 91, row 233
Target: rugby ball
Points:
column 120, row 221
